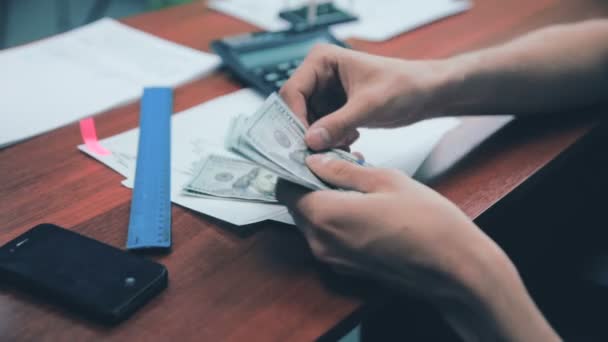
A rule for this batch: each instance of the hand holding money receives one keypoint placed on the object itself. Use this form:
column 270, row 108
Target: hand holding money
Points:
column 272, row 145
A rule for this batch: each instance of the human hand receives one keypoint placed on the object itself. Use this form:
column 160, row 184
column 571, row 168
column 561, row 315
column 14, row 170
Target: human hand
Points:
column 337, row 90
column 392, row 228
column 401, row 232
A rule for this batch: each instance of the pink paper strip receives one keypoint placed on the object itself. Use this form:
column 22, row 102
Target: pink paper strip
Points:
column 89, row 135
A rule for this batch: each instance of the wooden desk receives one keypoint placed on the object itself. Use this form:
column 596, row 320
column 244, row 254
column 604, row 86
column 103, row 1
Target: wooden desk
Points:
column 266, row 285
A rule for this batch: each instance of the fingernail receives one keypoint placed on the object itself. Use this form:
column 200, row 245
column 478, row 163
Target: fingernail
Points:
column 313, row 159
column 318, row 159
column 319, row 137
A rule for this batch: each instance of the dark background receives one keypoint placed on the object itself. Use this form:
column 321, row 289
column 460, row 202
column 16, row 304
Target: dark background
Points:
column 554, row 229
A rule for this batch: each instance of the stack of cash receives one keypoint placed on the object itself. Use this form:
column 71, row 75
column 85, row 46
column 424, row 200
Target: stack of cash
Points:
column 271, row 144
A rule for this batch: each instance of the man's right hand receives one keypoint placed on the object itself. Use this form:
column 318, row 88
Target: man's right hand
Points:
column 337, row 90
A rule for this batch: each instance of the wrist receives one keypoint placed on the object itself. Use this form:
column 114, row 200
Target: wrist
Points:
column 479, row 275
column 492, row 303
column 481, row 270
column 451, row 87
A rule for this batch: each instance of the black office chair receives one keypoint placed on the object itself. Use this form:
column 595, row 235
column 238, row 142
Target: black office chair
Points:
column 64, row 21
column 64, row 18
column 3, row 22
column 97, row 11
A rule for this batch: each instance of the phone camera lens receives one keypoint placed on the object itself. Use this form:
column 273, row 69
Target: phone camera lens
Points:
column 129, row 282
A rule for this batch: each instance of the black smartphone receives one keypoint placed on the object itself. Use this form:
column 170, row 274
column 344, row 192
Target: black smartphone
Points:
column 101, row 282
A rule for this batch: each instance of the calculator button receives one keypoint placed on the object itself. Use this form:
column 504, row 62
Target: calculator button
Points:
column 283, row 66
column 296, row 62
column 290, row 71
column 279, row 83
column 271, row 77
column 258, row 71
column 323, row 9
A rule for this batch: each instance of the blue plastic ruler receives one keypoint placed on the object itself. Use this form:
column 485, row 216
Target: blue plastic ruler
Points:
column 150, row 220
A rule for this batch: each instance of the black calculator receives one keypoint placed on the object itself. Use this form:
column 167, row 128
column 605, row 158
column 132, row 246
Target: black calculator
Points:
column 265, row 60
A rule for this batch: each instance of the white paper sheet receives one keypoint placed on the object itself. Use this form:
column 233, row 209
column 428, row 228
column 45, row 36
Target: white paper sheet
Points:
column 378, row 20
column 201, row 129
column 194, row 132
column 50, row 83
column 382, row 20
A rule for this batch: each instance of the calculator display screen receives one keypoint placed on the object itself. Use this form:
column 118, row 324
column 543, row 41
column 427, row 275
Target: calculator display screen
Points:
column 277, row 54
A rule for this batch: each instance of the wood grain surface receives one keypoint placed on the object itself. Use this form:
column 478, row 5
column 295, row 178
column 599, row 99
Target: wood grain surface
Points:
column 261, row 282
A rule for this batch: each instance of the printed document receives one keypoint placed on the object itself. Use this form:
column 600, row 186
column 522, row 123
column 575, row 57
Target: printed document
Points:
column 48, row 84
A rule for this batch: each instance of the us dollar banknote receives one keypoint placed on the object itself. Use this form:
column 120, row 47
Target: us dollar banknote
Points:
column 221, row 176
column 238, row 142
column 271, row 144
column 274, row 137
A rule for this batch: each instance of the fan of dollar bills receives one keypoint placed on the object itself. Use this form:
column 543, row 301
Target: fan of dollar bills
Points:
column 271, row 144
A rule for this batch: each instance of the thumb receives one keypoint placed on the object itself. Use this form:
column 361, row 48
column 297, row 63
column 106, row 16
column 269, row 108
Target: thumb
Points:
column 344, row 174
column 335, row 129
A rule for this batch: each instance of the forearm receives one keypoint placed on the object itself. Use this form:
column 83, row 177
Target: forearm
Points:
column 494, row 305
column 550, row 70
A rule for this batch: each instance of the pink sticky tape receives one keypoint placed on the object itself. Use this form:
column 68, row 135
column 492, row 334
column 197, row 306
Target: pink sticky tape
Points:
column 89, row 135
